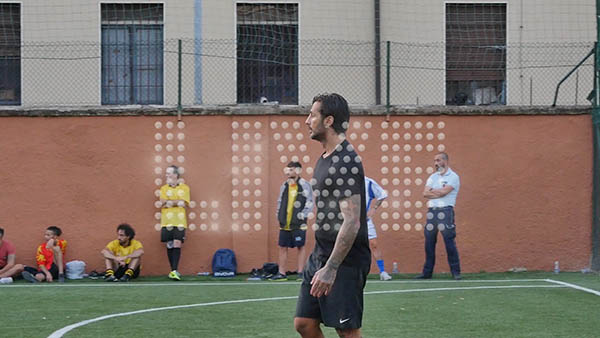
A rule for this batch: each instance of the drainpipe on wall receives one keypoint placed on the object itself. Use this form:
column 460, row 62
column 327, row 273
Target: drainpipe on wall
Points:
column 595, row 261
column 377, row 54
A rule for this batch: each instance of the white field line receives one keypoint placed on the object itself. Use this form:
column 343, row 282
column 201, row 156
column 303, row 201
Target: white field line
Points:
column 60, row 332
column 465, row 288
column 573, row 286
column 263, row 283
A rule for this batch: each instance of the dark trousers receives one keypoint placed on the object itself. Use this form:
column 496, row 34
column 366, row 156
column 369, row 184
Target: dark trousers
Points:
column 440, row 220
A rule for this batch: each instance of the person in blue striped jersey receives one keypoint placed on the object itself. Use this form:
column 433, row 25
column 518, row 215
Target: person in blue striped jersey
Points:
column 375, row 196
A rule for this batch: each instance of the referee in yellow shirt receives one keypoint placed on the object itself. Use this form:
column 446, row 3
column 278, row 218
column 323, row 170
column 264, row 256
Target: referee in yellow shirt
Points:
column 175, row 197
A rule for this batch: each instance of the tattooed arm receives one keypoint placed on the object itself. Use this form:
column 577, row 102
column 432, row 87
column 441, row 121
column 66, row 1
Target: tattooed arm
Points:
column 323, row 279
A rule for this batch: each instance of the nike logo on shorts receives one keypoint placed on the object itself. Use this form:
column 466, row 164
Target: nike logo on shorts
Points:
column 342, row 321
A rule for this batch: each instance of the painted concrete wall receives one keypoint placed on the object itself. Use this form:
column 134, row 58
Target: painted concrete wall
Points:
column 525, row 197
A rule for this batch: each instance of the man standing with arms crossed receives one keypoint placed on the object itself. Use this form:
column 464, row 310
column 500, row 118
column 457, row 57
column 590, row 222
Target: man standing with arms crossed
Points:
column 174, row 198
column 441, row 189
column 336, row 271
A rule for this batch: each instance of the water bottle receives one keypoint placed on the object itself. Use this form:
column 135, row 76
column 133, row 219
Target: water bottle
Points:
column 556, row 267
column 395, row 267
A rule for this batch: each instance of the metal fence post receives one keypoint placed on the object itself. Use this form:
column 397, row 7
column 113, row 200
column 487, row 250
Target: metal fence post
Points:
column 387, row 78
column 377, row 55
column 179, row 80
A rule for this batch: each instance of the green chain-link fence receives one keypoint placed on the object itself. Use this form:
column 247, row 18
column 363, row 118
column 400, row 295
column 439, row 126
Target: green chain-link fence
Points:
column 224, row 72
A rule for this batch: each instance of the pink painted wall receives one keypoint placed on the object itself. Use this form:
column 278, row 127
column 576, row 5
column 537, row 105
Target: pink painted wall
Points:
column 525, row 198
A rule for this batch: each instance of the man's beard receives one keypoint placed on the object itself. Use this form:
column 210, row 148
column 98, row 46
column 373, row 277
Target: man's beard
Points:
column 318, row 136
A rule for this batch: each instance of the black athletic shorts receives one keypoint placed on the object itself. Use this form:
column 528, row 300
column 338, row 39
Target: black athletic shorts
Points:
column 53, row 271
column 174, row 233
column 343, row 307
column 122, row 268
column 292, row 238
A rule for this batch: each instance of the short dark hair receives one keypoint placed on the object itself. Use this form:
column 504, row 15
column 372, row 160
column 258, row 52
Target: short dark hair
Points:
column 334, row 105
column 129, row 232
column 176, row 168
column 444, row 155
column 1, row 232
column 56, row 230
column 294, row 164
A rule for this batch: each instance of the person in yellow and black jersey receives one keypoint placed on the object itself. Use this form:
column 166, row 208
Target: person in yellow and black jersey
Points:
column 174, row 197
column 123, row 256
column 294, row 204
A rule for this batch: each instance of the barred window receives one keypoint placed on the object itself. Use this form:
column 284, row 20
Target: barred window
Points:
column 132, row 53
column 267, row 53
column 475, row 53
column 10, row 54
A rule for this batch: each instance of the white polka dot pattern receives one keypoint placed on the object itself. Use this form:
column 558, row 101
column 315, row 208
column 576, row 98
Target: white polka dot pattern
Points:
column 406, row 155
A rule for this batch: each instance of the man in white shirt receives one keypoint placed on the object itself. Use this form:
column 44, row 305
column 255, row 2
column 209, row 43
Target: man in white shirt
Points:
column 441, row 189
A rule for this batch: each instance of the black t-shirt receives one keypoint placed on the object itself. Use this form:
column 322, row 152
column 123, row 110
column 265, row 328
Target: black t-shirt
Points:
column 336, row 177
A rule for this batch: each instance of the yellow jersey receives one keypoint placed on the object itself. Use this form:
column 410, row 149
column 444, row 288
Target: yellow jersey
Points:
column 292, row 194
column 121, row 251
column 174, row 216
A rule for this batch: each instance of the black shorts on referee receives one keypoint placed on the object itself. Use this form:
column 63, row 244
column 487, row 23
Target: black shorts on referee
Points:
column 168, row 234
column 343, row 307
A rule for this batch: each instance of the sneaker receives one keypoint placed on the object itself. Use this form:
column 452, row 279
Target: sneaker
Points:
column 61, row 278
column 29, row 277
column 457, row 276
column 110, row 278
column 174, row 275
column 384, row 276
column 279, row 277
column 125, row 278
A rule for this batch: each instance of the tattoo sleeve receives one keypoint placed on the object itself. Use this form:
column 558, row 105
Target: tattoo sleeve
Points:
column 350, row 208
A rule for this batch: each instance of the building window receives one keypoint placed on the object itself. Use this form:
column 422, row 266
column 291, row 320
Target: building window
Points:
column 132, row 53
column 10, row 54
column 475, row 53
column 267, row 53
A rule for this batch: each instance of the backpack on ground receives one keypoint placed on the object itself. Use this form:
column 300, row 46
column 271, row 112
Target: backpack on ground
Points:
column 224, row 263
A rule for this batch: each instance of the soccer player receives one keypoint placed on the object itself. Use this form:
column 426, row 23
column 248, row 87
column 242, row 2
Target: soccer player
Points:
column 336, row 271
column 293, row 205
column 49, row 257
column 123, row 256
column 175, row 197
column 375, row 196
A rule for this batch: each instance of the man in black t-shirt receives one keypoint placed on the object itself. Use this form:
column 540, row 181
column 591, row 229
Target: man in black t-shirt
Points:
column 336, row 271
